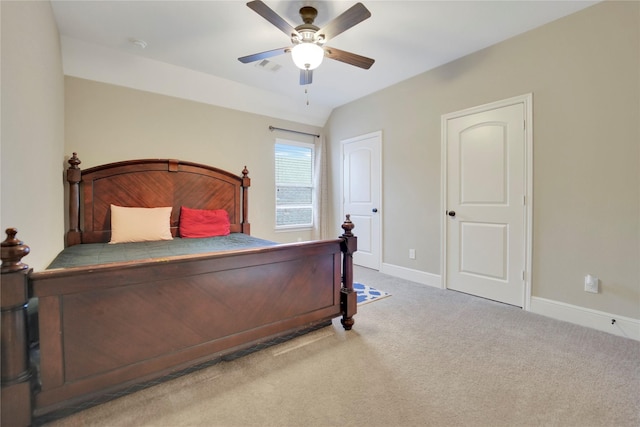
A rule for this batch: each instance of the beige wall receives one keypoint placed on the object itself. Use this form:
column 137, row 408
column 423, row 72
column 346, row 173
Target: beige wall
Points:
column 106, row 123
column 584, row 73
column 32, row 128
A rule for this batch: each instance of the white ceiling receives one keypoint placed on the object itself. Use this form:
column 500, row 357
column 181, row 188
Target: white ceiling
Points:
column 203, row 39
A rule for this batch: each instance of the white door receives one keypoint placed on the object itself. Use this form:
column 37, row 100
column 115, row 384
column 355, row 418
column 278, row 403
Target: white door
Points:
column 485, row 217
column 361, row 191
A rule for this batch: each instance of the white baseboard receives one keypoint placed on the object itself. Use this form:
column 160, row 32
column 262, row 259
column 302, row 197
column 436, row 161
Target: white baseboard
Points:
column 623, row 326
column 413, row 275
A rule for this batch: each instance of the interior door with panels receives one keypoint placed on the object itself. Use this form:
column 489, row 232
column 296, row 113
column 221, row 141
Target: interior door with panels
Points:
column 485, row 224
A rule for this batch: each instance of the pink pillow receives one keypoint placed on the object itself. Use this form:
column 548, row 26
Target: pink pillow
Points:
column 203, row 222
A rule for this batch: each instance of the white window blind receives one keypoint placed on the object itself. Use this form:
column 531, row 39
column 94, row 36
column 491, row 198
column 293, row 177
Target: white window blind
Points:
column 294, row 184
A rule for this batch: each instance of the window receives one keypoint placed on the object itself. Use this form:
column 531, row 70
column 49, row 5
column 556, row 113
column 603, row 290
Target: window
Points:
column 294, row 184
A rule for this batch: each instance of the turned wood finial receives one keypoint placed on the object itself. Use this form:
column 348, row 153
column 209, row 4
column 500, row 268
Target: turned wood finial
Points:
column 13, row 250
column 245, row 172
column 347, row 226
column 74, row 161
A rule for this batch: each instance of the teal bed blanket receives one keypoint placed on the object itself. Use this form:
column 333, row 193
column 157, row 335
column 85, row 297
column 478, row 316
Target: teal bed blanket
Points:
column 104, row 253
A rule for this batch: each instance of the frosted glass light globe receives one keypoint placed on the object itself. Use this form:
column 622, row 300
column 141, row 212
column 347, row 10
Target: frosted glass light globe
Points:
column 307, row 56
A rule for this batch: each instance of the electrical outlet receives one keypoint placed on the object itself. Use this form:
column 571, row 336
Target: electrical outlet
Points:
column 412, row 254
column 591, row 284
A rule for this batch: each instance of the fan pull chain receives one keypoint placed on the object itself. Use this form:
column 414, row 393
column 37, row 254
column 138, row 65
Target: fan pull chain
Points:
column 306, row 92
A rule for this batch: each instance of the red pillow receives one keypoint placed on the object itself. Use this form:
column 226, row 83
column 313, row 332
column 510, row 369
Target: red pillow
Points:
column 203, row 222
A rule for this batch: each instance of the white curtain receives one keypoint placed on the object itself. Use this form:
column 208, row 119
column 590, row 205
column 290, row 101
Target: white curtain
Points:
column 320, row 188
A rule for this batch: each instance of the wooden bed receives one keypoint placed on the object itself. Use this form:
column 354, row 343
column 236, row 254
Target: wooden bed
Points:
column 104, row 328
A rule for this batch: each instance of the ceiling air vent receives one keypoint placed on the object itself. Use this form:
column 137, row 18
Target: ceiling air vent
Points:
column 267, row 65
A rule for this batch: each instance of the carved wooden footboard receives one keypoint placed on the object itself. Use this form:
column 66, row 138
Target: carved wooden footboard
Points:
column 107, row 327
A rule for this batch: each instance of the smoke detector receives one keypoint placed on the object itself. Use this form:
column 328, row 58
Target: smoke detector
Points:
column 139, row 43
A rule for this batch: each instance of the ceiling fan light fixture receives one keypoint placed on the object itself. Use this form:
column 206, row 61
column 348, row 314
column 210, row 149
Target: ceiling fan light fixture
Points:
column 307, row 56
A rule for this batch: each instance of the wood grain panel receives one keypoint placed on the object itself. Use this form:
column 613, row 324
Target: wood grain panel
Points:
column 156, row 183
column 107, row 329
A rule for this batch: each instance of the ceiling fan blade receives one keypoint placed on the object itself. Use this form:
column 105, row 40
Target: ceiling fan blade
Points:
column 267, row 13
column 306, row 77
column 348, row 57
column 263, row 55
column 352, row 16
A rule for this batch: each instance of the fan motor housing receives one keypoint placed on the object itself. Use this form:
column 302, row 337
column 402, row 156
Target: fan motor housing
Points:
column 308, row 14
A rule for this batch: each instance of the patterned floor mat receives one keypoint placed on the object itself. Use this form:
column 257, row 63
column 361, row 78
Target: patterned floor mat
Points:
column 367, row 294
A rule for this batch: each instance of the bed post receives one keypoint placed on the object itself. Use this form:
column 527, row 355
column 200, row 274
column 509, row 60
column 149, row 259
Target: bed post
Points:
column 15, row 393
column 246, row 182
column 74, row 175
column 348, row 297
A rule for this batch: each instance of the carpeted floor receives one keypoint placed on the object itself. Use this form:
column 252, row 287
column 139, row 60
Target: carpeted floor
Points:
column 424, row 357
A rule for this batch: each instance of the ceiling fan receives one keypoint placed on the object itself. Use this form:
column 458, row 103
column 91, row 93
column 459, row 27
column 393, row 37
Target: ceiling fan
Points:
column 308, row 40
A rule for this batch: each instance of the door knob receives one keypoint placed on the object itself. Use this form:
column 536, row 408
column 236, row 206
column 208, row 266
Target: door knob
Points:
column 451, row 213
column 374, row 210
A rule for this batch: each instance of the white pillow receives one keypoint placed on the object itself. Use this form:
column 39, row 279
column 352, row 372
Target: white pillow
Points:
column 140, row 224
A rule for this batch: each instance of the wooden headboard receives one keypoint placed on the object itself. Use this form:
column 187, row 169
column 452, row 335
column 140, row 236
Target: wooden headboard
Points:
column 150, row 183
